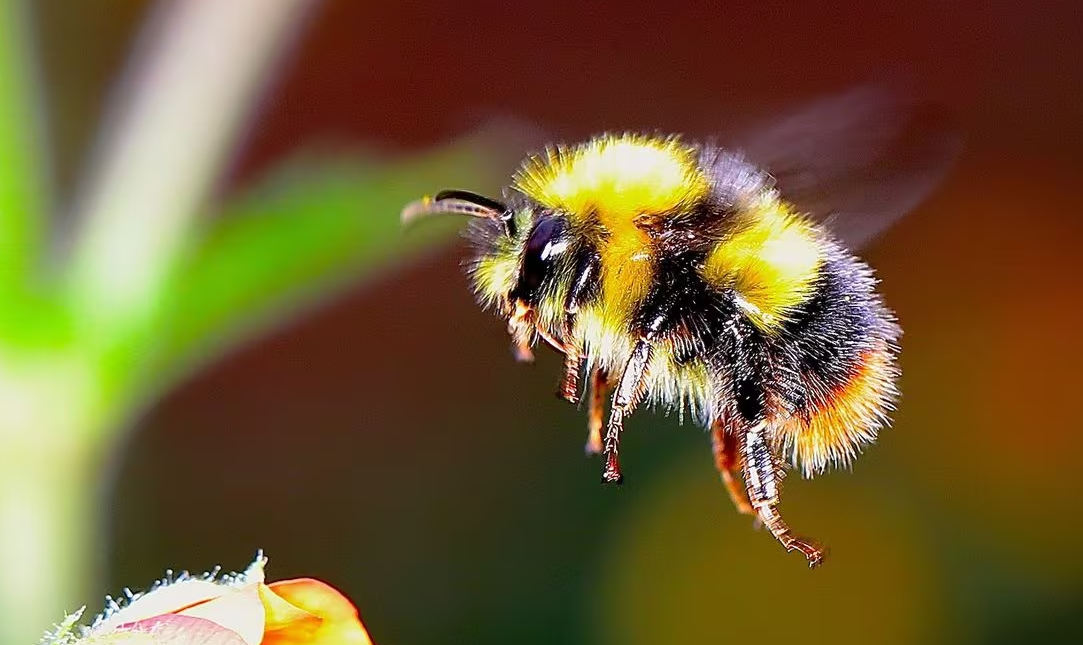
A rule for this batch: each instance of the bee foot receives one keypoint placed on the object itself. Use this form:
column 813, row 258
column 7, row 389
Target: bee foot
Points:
column 615, row 479
column 612, row 474
column 813, row 552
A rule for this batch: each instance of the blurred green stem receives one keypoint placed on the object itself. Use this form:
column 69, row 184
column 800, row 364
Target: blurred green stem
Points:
column 185, row 102
column 22, row 200
column 46, row 526
column 48, row 500
column 150, row 291
column 68, row 384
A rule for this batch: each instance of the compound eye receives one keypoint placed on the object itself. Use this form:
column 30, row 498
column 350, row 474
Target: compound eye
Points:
column 543, row 247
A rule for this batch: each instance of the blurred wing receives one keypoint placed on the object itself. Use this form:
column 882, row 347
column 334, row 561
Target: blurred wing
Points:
column 856, row 162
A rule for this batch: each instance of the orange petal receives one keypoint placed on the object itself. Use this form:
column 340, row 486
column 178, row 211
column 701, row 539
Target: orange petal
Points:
column 176, row 630
column 339, row 623
column 282, row 616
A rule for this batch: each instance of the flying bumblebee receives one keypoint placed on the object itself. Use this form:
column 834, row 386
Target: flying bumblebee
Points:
column 719, row 281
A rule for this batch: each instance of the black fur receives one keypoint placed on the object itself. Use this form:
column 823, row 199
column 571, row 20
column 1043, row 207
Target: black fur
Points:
column 816, row 350
column 682, row 309
column 585, row 285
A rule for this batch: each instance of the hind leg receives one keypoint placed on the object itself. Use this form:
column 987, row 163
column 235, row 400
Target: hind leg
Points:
column 728, row 462
column 762, row 475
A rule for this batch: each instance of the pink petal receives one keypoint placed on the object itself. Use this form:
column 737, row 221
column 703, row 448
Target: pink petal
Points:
column 181, row 630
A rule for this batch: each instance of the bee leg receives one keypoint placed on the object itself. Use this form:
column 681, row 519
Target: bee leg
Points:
column 625, row 399
column 521, row 329
column 727, row 461
column 573, row 366
column 584, row 284
column 599, row 387
column 761, row 480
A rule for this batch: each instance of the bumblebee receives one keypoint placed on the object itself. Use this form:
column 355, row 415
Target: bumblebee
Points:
column 719, row 281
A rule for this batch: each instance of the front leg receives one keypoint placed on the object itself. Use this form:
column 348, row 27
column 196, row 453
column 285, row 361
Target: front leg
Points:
column 521, row 329
column 584, row 287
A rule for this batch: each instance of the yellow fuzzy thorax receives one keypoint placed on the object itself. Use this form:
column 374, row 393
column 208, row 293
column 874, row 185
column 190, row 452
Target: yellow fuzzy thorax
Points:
column 615, row 178
column 617, row 181
column 771, row 262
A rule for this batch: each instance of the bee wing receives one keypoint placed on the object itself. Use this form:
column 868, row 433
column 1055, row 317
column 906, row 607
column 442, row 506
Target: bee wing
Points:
column 856, row 162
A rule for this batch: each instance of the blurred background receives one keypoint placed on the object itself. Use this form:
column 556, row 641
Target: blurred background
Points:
column 383, row 439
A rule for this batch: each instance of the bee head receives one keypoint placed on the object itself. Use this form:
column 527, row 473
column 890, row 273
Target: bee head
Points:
column 519, row 248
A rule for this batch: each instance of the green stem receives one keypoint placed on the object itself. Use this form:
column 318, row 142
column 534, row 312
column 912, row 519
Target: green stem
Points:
column 22, row 185
column 187, row 98
column 191, row 93
column 48, row 500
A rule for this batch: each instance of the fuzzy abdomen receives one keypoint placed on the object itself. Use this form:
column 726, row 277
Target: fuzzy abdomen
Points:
column 837, row 357
column 822, row 379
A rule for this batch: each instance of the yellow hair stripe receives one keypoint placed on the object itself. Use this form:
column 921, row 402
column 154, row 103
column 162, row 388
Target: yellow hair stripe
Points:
column 615, row 178
column 772, row 263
